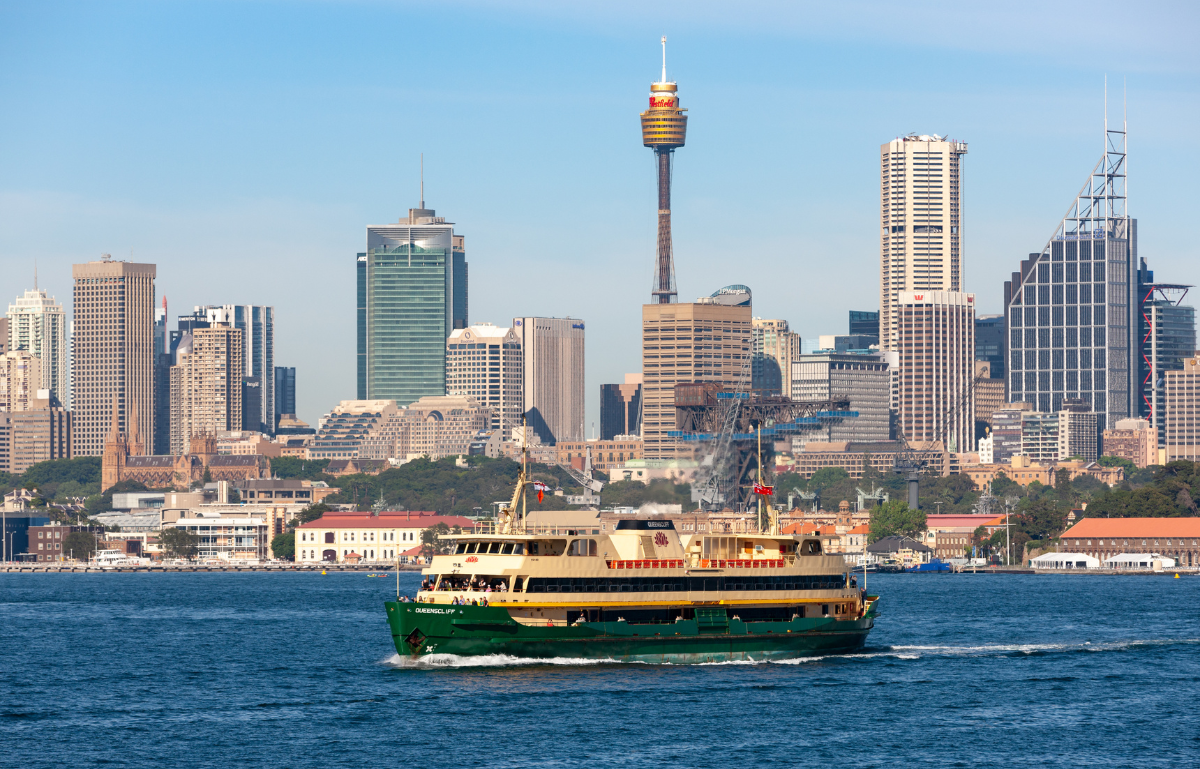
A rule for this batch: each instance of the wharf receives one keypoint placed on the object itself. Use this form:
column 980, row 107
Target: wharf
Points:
column 14, row 568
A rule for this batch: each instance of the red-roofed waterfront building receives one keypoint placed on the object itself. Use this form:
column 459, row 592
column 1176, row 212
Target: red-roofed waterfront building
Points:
column 1102, row 538
column 374, row 537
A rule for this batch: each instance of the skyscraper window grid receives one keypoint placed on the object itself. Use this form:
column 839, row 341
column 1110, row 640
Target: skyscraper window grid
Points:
column 1072, row 311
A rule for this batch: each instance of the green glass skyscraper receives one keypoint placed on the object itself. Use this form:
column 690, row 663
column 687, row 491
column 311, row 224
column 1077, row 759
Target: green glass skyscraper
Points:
column 412, row 292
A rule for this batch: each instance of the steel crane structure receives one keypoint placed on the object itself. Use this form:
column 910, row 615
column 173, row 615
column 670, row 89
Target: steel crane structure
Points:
column 730, row 423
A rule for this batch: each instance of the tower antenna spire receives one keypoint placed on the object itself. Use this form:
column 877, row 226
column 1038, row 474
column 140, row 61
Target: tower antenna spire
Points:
column 664, row 47
column 422, row 180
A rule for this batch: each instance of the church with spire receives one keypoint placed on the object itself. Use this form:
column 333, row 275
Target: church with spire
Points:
column 125, row 459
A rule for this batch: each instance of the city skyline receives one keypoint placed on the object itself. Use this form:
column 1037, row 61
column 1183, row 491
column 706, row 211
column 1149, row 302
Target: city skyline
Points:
column 264, row 240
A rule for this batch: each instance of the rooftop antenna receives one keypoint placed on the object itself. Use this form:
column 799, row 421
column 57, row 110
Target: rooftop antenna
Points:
column 664, row 46
column 422, row 180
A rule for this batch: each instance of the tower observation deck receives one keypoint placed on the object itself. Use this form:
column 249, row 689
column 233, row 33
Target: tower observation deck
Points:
column 664, row 127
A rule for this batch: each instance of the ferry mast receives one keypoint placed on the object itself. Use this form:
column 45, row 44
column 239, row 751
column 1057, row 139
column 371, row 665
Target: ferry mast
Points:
column 663, row 129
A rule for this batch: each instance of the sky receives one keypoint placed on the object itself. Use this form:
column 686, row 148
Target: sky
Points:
column 243, row 148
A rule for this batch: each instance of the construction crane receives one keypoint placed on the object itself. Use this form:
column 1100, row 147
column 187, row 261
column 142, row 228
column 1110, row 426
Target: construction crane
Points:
column 591, row 486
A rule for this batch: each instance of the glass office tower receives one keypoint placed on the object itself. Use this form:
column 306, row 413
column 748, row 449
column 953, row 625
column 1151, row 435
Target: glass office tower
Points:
column 412, row 292
column 1072, row 310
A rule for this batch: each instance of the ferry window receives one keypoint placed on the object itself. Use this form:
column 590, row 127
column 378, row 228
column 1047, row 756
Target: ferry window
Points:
column 507, row 549
column 519, row 548
column 471, row 546
column 825, row 609
column 533, row 548
column 517, row 583
column 495, row 548
column 462, row 548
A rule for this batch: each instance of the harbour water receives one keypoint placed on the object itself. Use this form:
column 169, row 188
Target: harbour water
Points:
column 298, row 670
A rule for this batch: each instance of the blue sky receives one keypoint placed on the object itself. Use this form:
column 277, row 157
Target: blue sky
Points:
column 244, row 146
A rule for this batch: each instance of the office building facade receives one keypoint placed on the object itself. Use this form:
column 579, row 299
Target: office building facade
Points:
column 621, row 408
column 484, row 362
column 285, row 392
column 683, row 343
column 1181, row 398
column 412, row 292
column 112, row 350
column 921, row 237
column 37, row 323
column 1168, row 338
column 864, row 323
column 257, row 324
column 206, row 385
column 163, row 360
column 20, row 380
column 773, row 348
column 552, row 377
column 936, row 349
column 989, row 344
column 39, row 433
column 1132, row 439
column 864, row 380
column 1072, row 309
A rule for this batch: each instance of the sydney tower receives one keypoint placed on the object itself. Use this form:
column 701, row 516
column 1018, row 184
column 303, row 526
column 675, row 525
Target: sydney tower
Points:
column 663, row 128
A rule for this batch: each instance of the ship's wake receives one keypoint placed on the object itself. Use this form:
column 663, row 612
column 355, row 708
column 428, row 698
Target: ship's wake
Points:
column 450, row 661
column 900, row 652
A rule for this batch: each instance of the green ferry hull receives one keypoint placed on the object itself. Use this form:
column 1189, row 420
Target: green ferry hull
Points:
column 420, row 630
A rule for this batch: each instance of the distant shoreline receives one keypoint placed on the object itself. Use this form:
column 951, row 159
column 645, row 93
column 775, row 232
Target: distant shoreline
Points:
column 199, row 568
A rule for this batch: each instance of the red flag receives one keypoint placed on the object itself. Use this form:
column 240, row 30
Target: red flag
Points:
column 541, row 489
column 766, row 491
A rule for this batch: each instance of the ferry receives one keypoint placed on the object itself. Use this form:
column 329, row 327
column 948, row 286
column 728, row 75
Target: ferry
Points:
column 641, row 591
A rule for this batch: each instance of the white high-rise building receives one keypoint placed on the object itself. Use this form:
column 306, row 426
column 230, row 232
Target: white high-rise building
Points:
column 38, row 324
column 921, row 236
column 552, row 380
column 483, row 361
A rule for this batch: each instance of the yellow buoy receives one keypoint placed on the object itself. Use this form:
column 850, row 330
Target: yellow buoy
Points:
column 322, row 571
column 1176, row 575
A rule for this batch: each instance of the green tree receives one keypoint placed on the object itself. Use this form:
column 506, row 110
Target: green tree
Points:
column 304, row 469
column 49, row 475
column 827, row 476
column 310, row 513
column 895, row 517
column 431, row 545
column 1110, row 461
column 1003, row 486
column 284, row 545
column 79, row 545
column 179, row 543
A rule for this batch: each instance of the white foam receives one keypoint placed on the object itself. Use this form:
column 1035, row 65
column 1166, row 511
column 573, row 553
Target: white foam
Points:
column 434, row 661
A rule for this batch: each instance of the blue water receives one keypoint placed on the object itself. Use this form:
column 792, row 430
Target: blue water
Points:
column 298, row 670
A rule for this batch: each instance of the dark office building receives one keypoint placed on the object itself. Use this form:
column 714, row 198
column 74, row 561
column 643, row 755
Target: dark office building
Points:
column 864, row 323
column 989, row 342
column 252, row 393
column 1167, row 335
column 620, row 409
column 285, row 391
